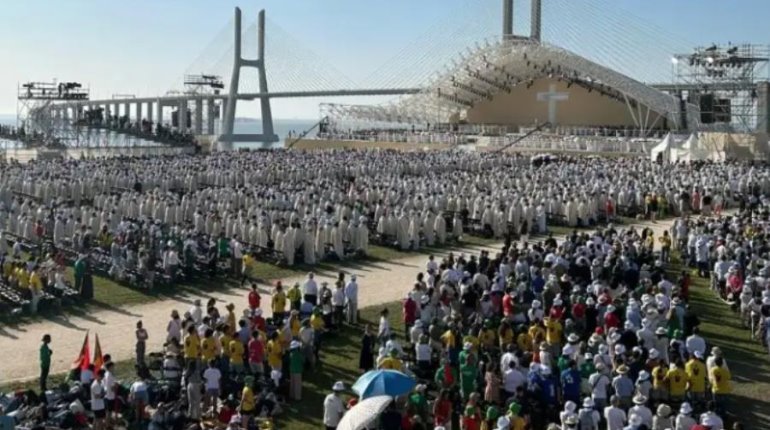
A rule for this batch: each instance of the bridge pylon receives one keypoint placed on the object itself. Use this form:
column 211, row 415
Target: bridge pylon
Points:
column 268, row 136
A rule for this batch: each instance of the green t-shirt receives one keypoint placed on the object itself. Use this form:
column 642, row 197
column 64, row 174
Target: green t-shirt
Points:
column 45, row 356
column 296, row 361
column 587, row 369
column 80, row 267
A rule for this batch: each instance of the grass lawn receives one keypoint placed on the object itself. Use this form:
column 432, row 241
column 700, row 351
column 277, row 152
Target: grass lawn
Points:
column 747, row 358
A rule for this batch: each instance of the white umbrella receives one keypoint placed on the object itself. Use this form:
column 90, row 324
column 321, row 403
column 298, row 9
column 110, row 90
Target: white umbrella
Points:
column 364, row 413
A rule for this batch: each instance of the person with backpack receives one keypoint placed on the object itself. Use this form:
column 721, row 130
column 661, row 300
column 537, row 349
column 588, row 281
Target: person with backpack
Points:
column 587, row 417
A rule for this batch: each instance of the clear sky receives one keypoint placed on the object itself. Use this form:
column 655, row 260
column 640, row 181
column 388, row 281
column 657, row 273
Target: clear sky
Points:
column 144, row 47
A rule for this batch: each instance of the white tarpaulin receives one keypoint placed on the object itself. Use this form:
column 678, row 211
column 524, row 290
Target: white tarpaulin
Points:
column 662, row 150
column 692, row 150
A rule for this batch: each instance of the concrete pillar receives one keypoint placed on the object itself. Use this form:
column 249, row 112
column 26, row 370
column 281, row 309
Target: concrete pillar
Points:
column 198, row 124
column 507, row 19
column 149, row 111
column 182, row 115
column 537, row 10
column 116, row 109
column 127, row 110
column 210, row 117
column 139, row 113
column 159, row 113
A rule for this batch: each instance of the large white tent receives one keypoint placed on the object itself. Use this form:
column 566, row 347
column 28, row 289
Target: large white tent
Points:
column 692, row 150
column 664, row 150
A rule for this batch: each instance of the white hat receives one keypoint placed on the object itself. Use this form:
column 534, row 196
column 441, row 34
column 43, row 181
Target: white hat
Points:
column 654, row 353
column 698, row 354
column 557, row 302
column 294, row 344
column 573, row 338
column 536, row 304
column 570, row 406
column 257, row 312
column 685, row 408
column 660, row 331
column 467, row 345
column 640, row 399
column 590, row 301
column 620, row 349
column 644, row 375
column 235, row 419
column 588, row 402
column 545, row 370
column 708, row 421
column 635, row 420
column 338, row 386
column 503, row 423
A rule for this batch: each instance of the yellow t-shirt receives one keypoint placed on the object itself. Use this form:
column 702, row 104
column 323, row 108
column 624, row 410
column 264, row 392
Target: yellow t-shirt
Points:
column 317, row 322
column 224, row 340
column 391, row 363
column 231, row 323
column 34, row 282
column 696, row 376
column 294, row 295
column 7, row 269
column 295, row 327
column 659, row 377
column 274, row 354
column 23, row 277
column 449, row 339
column 524, row 341
column 487, row 338
column 248, row 401
column 535, row 332
column 248, row 263
column 473, row 340
column 506, row 338
column 553, row 331
column 518, row 423
column 720, row 380
column 677, row 381
column 192, row 346
column 208, row 348
column 279, row 302
column 236, row 352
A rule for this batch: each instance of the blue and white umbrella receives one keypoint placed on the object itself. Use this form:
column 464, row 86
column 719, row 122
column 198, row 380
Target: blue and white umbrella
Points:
column 383, row 383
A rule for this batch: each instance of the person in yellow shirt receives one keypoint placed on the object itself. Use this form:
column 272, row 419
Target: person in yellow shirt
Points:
column 294, row 295
column 231, row 320
column 536, row 331
column 487, row 336
column 248, row 402
column 294, row 323
column 7, row 268
column 720, row 377
column 449, row 339
column 553, row 332
column 696, row 377
column 274, row 352
column 247, row 266
column 236, row 355
column 514, row 415
column 524, row 341
column 22, row 276
column 677, row 382
column 192, row 345
column 505, row 334
column 36, row 289
column 473, row 340
column 391, row 362
column 665, row 246
column 208, row 346
column 278, row 304
column 659, row 392
column 224, row 340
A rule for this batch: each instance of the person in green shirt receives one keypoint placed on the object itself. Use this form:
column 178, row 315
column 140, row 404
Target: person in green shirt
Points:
column 45, row 362
column 296, row 366
column 80, row 271
column 418, row 402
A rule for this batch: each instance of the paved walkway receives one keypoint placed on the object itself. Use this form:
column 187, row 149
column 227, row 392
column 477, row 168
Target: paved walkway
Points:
column 379, row 282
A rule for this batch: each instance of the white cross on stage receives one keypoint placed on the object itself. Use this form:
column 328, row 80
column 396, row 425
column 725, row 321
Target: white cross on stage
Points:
column 552, row 97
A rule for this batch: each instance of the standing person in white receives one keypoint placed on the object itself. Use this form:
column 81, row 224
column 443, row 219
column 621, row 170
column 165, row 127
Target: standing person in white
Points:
column 334, row 408
column 351, row 298
column 97, row 401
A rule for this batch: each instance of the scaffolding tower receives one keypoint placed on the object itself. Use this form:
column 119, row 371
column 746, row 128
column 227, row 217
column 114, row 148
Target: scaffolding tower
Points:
column 723, row 81
column 40, row 125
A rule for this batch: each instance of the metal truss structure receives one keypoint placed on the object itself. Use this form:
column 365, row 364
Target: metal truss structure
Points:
column 723, row 81
column 500, row 66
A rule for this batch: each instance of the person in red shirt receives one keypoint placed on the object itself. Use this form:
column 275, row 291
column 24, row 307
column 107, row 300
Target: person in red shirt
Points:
column 442, row 409
column 579, row 314
column 256, row 349
column 254, row 298
column 557, row 310
column 611, row 319
column 409, row 311
column 472, row 417
column 508, row 304
column 257, row 322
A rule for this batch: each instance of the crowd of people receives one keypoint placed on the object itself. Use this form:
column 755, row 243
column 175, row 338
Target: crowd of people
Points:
column 583, row 333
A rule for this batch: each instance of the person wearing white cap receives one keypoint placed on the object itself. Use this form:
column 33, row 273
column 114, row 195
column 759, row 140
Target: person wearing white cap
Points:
column 351, row 300
column 641, row 410
column 635, row 422
column 710, row 419
column 588, row 417
column 503, row 423
column 695, row 342
column 684, row 420
column 333, row 406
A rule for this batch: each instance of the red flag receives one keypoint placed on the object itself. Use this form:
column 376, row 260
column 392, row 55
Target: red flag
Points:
column 84, row 358
column 98, row 361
